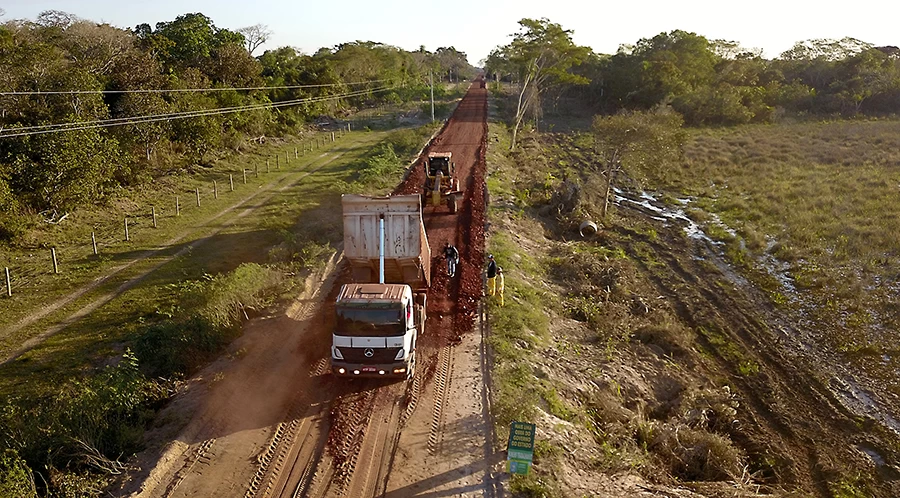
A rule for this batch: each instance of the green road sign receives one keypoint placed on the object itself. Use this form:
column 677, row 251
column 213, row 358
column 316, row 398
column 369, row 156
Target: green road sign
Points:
column 520, row 449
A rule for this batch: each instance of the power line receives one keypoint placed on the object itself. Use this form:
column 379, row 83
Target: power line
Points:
column 175, row 114
column 184, row 115
column 175, row 90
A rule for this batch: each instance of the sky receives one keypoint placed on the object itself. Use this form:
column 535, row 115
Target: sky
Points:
column 478, row 26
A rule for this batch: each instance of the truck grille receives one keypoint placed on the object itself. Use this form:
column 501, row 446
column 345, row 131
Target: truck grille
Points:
column 380, row 355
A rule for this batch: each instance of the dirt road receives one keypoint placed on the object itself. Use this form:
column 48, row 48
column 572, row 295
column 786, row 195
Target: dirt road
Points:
column 268, row 420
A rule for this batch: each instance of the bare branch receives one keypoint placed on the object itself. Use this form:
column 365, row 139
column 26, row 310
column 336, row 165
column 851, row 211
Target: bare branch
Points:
column 255, row 36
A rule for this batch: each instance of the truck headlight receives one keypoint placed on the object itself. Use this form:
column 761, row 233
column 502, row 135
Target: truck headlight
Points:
column 336, row 353
column 400, row 354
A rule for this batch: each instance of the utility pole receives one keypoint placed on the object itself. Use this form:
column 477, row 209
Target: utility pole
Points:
column 431, row 80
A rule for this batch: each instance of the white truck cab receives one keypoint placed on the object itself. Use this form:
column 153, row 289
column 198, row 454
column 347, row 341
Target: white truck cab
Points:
column 376, row 329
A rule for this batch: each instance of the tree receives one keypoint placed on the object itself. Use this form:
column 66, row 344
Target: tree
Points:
column 826, row 49
column 863, row 76
column 542, row 54
column 194, row 37
column 254, row 36
column 60, row 171
column 673, row 64
column 636, row 141
column 56, row 19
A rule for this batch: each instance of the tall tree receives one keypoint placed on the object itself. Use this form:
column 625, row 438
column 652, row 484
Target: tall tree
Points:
column 254, row 36
column 193, row 38
column 636, row 141
column 542, row 53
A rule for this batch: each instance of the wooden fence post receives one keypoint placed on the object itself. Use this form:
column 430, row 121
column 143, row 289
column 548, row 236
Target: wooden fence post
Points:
column 245, row 175
column 127, row 237
column 177, row 207
column 197, row 189
column 295, row 153
column 94, row 243
column 215, row 189
column 231, row 181
column 55, row 264
column 8, row 284
column 153, row 212
column 332, row 136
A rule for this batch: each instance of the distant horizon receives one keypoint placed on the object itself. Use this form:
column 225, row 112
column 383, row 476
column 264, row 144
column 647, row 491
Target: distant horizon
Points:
column 409, row 25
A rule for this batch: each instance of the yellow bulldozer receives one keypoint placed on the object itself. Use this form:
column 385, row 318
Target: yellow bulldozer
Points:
column 441, row 181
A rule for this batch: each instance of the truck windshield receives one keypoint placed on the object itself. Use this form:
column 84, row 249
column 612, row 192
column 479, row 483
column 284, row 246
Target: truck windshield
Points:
column 439, row 164
column 368, row 322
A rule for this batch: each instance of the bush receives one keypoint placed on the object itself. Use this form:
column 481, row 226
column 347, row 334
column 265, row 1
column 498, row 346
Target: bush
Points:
column 178, row 348
column 227, row 297
column 84, row 427
column 694, row 455
column 380, row 166
column 15, row 476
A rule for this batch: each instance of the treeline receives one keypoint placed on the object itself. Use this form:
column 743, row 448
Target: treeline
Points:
column 709, row 82
column 128, row 100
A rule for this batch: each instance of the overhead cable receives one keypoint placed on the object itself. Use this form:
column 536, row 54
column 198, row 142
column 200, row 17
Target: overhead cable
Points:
column 175, row 90
column 354, row 93
column 15, row 132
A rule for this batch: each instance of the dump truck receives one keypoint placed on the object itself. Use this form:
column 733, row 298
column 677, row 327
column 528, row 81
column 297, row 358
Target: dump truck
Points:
column 441, row 181
column 381, row 312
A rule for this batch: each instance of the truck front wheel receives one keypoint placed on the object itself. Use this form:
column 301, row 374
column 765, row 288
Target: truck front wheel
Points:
column 411, row 371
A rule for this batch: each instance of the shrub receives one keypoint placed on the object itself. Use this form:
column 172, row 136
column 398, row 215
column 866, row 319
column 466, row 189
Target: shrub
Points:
column 226, row 297
column 15, row 476
column 84, row 426
column 695, row 455
column 178, row 348
column 379, row 167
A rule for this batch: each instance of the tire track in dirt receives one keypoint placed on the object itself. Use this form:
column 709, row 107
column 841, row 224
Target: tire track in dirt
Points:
column 797, row 435
column 440, row 397
column 198, row 455
column 299, row 424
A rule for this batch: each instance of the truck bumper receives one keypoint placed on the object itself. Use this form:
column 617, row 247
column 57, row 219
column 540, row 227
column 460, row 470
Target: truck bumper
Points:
column 344, row 369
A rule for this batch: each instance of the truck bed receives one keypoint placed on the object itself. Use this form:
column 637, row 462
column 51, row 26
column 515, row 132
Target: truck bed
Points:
column 407, row 256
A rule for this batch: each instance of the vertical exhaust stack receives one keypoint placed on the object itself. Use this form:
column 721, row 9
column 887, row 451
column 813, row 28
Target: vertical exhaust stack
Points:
column 381, row 248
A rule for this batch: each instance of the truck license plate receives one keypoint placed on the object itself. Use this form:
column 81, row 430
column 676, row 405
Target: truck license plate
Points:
column 368, row 369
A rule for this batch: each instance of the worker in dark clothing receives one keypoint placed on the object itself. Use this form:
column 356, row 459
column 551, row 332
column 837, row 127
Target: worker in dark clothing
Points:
column 492, row 275
column 452, row 256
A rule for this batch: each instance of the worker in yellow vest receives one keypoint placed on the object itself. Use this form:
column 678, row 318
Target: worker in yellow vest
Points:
column 500, row 284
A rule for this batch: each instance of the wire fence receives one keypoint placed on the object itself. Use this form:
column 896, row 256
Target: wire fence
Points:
column 40, row 267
